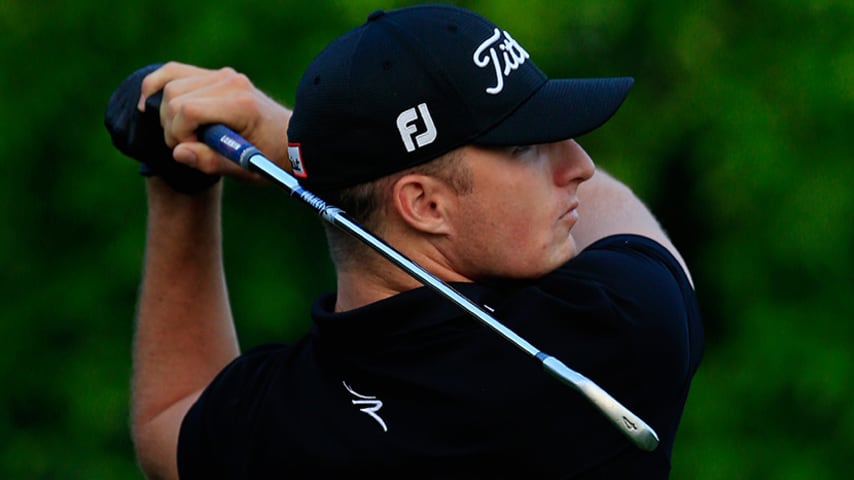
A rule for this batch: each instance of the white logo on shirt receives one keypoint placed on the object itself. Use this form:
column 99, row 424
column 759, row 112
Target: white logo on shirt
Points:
column 373, row 405
column 407, row 127
column 513, row 56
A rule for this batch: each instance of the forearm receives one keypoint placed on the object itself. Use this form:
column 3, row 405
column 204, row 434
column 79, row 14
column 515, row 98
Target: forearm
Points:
column 609, row 207
column 184, row 332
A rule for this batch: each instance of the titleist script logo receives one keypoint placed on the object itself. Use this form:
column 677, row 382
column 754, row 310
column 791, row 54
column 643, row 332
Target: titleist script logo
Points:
column 372, row 405
column 407, row 125
column 512, row 57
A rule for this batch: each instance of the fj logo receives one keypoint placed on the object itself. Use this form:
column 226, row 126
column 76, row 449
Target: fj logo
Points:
column 407, row 125
column 372, row 405
column 511, row 58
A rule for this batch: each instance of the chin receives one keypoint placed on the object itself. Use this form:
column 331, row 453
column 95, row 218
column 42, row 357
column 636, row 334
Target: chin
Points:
column 567, row 251
column 551, row 265
column 563, row 259
column 572, row 249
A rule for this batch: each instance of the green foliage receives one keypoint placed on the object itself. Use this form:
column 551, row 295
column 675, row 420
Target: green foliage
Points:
column 735, row 133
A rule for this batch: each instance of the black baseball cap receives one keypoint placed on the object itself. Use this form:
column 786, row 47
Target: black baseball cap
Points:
column 412, row 84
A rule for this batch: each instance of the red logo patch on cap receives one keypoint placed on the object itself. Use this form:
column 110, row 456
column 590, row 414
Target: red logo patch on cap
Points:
column 295, row 156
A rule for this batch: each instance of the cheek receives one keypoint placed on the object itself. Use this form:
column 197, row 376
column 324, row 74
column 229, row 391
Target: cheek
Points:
column 515, row 223
column 509, row 236
column 537, row 242
column 517, row 238
column 529, row 225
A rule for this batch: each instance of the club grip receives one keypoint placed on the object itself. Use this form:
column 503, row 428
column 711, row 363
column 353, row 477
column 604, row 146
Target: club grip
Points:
column 228, row 143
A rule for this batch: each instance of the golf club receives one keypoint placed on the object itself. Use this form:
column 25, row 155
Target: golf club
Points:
column 239, row 150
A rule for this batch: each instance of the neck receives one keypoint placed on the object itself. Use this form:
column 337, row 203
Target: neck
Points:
column 372, row 278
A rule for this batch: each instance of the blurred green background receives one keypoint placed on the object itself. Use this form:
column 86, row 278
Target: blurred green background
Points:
column 737, row 134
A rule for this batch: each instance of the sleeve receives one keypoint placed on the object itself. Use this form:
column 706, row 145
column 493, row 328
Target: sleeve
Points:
column 619, row 256
column 642, row 277
column 193, row 452
column 631, row 284
column 212, row 442
column 636, row 317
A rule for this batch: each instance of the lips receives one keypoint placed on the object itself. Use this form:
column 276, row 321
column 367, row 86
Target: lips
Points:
column 571, row 213
column 573, row 207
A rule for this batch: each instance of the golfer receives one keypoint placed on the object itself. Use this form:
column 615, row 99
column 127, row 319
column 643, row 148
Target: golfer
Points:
column 433, row 127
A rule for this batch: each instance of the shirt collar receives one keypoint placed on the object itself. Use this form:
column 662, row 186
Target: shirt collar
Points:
column 396, row 317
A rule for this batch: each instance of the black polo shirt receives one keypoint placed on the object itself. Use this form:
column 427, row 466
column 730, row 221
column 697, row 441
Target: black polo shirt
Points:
column 413, row 387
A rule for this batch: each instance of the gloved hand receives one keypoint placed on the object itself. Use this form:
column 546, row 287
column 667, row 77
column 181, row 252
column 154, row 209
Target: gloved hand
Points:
column 139, row 135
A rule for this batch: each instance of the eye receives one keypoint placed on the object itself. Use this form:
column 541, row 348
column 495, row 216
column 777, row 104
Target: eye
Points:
column 521, row 150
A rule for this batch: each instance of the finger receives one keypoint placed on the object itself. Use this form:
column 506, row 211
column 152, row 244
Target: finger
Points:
column 182, row 116
column 201, row 157
column 157, row 80
column 192, row 102
column 192, row 80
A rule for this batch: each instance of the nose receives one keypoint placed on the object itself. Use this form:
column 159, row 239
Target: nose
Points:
column 571, row 164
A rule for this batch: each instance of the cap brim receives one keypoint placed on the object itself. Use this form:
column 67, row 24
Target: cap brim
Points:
column 559, row 110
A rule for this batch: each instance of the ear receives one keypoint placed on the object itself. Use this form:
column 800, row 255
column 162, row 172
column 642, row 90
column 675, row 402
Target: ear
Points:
column 422, row 202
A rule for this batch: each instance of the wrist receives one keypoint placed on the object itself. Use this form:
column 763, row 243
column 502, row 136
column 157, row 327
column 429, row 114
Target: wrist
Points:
column 162, row 198
column 184, row 229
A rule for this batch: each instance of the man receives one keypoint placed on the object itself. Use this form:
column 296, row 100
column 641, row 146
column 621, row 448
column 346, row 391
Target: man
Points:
column 433, row 127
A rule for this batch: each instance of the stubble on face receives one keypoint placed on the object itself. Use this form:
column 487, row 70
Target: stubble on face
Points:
column 515, row 222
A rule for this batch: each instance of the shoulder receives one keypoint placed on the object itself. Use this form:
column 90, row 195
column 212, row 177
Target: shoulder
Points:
column 225, row 407
column 628, row 275
column 631, row 288
column 238, row 382
column 626, row 258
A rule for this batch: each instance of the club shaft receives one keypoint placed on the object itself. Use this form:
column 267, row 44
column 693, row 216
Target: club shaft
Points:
column 236, row 148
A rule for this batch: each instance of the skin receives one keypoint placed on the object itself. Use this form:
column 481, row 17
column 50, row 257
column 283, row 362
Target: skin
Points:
column 194, row 96
column 185, row 331
column 527, row 199
column 529, row 210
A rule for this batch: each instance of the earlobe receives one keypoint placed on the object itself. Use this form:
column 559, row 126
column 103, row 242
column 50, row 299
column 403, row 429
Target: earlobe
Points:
column 420, row 201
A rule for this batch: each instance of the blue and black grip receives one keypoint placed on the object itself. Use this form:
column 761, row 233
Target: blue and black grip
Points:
column 228, row 144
